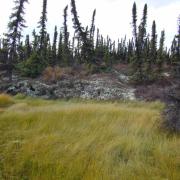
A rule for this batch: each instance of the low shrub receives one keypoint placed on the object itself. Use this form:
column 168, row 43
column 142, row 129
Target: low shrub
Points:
column 5, row 100
column 20, row 96
column 52, row 74
column 172, row 118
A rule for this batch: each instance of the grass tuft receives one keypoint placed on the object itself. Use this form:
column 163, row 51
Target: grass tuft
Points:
column 5, row 100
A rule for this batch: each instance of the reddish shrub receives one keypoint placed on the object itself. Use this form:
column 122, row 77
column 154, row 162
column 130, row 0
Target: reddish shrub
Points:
column 52, row 74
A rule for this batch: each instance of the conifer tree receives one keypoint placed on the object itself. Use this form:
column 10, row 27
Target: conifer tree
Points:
column 15, row 26
column 66, row 50
column 106, row 52
column 4, row 51
column 160, row 56
column 175, row 52
column 54, row 47
column 130, row 51
column 147, row 60
column 50, row 54
column 65, row 28
column 124, row 53
column 87, row 46
column 97, row 39
column 178, row 37
column 178, row 41
column 136, row 58
column 42, row 26
column 21, row 56
column 151, row 53
column 73, row 45
column 142, row 27
column 28, row 49
column 78, row 49
column 60, row 49
column 92, row 29
column 134, row 22
column 35, row 42
column 120, row 50
column 140, row 40
column 153, row 45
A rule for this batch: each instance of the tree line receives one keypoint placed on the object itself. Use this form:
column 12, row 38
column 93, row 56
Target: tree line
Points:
column 145, row 54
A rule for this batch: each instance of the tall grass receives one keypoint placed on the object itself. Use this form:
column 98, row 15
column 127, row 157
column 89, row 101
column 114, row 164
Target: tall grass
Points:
column 44, row 140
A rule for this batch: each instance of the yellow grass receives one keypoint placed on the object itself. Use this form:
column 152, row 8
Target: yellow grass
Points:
column 5, row 100
column 64, row 140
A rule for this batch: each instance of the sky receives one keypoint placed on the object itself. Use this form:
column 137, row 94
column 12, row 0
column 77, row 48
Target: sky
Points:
column 113, row 17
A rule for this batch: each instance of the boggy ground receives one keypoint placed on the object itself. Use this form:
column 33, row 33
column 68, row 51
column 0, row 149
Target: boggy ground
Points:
column 77, row 139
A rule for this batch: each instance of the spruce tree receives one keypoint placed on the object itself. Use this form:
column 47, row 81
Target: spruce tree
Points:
column 73, row 45
column 50, row 54
column 130, row 51
column 175, row 52
column 122, row 50
column 4, row 51
column 151, row 53
column 60, row 49
column 136, row 59
column 92, row 29
column 78, row 50
column 35, row 42
column 54, row 47
column 15, row 26
column 43, row 32
column 178, row 42
column 153, row 46
column 97, row 39
column 140, row 40
column 142, row 27
column 124, row 55
column 66, row 50
column 178, row 37
column 21, row 56
column 160, row 55
column 106, row 55
column 87, row 46
column 148, row 74
column 65, row 28
column 134, row 22
column 28, row 49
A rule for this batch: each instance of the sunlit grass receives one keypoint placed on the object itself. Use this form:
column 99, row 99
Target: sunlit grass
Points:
column 86, row 140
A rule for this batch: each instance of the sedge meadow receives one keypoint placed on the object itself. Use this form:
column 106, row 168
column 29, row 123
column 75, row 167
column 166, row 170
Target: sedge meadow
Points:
column 80, row 139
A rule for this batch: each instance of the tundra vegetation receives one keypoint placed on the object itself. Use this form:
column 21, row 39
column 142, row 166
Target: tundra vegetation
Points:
column 87, row 139
column 77, row 139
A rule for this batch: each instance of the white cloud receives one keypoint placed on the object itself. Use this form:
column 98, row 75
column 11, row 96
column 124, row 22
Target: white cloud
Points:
column 113, row 16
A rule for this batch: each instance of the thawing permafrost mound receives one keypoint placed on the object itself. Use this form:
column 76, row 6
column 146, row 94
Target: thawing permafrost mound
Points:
column 100, row 88
column 106, row 89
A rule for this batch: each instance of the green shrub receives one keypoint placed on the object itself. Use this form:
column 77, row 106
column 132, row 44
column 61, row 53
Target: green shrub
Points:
column 32, row 67
column 20, row 96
